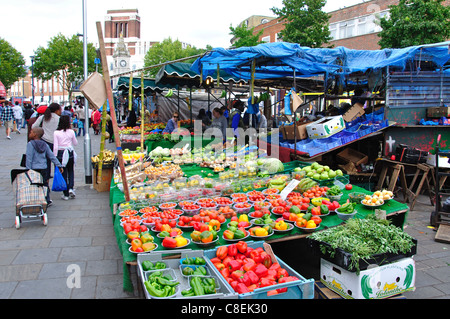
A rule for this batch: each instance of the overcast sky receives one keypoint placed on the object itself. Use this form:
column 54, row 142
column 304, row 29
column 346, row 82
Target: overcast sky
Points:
column 28, row 24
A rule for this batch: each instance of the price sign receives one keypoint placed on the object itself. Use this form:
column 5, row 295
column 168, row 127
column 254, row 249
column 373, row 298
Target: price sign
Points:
column 289, row 188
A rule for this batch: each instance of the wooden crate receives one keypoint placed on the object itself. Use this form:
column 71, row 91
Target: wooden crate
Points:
column 104, row 184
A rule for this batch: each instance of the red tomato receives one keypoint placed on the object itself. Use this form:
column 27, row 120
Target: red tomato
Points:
column 348, row 187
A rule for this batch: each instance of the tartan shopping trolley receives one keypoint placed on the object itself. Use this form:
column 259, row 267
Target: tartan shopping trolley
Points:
column 30, row 192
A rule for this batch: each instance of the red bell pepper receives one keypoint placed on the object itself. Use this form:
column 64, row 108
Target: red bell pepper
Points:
column 249, row 265
column 260, row 270
column 216, row 260
column 169, row 242
column 240, row 256
column 232, row 250
column 225, row 272
column 281, row 273
column 253, row 277
column 221, row 252
column 275, row 266
column 251, row 288
column 249, row 250
column 226, row 260
column 234, row 265
column 246, row 280
column 287, row 279
column 265, row 282
column 219, row 266
column 241, row 246
column 237, row 275
column 266, row 259
column 241, row 288
column 233, row 283
column 256, row 256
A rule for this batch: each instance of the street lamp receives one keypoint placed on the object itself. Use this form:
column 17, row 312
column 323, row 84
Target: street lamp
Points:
column 32, row 80
column 87, row 137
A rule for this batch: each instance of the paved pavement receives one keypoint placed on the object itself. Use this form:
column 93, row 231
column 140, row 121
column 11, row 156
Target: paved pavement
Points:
column 38, row 262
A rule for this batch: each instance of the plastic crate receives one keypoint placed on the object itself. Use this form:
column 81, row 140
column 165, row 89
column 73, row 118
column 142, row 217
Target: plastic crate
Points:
column 173, row 268
column 346, row 136
column 365, row 130
column 300, row 289
column 328, row 143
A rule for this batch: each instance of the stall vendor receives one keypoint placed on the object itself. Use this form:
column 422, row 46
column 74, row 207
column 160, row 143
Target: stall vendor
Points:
column 172, row 124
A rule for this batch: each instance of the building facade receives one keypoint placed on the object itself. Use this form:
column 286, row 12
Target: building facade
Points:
column 354, row 27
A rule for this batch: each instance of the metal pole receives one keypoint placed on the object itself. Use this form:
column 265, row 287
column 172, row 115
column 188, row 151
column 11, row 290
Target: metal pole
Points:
column 32, row 80
column 87, row 137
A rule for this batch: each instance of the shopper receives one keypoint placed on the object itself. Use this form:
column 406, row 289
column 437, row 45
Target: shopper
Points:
column 80, row 112
column 49, row 122
column 8, row 119
column 38, row 153
column 96, row 120
column 64, row 141
column 18, row 114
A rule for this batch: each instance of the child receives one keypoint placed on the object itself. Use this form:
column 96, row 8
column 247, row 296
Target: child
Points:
column 81, row 128
column 63, row 148
column 38, row 152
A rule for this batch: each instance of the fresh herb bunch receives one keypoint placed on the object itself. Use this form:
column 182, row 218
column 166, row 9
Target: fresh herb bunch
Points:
column 363, row 238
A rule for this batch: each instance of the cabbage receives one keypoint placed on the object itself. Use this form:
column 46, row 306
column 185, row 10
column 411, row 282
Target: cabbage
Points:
column 271, row 165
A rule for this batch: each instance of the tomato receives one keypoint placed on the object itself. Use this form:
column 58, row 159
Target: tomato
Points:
column 349, row 187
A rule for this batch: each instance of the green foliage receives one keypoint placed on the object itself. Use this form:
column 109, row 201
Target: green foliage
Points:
column 306, row 23
column 63, row 60
column 244, row 36
column 415, row 22
column 168, row 50
column 12, row 64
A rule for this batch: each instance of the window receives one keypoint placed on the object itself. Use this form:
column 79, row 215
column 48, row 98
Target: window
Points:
column 333, row 31
column 361, row 29
column 264, row 21
column 266, row 39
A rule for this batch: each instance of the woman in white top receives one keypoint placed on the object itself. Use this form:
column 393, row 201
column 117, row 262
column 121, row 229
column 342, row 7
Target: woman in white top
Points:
column 49, row 122
column 64, row 141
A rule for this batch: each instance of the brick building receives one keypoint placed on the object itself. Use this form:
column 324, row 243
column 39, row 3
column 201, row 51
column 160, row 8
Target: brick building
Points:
column 354, row 27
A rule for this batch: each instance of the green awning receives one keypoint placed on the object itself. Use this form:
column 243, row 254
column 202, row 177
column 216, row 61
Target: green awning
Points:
column 149, row 85
column 181, row 74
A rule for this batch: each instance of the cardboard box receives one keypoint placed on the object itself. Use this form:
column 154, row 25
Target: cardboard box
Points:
column 289, row 131
column 378, row 282
column 325, row 127
column 443, row 161
column 438, row 112
column 354, row 112
column 353, row 156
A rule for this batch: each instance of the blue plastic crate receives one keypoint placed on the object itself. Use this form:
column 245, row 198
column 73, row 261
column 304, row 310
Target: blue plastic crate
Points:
column 328, row 143
column 299, row 289
column 346, row 136
column 312, row 148
column 365, row 130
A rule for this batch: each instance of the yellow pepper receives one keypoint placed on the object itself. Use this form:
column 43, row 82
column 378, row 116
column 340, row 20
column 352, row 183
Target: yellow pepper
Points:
column 181, row 241
column 281, row 225
column 260, row 232
column 243, row 218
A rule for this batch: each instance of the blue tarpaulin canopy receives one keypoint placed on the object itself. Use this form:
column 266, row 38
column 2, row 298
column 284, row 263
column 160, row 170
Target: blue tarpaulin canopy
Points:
column 281, row 59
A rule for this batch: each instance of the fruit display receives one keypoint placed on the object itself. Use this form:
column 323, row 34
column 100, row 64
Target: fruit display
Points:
column 372, row 200
column 384, row 195
column 108, row 157
column 204, row 237
column 319, row 172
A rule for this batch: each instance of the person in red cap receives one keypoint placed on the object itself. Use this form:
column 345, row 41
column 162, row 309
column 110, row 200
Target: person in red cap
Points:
column 40, row 110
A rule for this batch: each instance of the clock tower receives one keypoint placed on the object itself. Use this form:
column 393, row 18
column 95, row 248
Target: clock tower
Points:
column 121, row 57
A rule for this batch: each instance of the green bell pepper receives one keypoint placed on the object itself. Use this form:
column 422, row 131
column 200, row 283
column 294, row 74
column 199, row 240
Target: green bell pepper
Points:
column 239, row 234
column 197, row 286
column 199, row 261
column 188, row 293
column 154, row 291
column 147, row 265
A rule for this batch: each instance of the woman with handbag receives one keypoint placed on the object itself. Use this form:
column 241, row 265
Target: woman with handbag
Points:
column 64, row 141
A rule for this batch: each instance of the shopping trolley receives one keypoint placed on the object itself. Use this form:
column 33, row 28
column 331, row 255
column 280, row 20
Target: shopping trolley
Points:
column 30, row 191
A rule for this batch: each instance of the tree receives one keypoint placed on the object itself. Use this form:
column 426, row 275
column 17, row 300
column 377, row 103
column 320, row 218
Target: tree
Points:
column 168, row 50
column 12, row 64
column 244, row 36
column 415, row 22
column 306, row 23
column 63, row 60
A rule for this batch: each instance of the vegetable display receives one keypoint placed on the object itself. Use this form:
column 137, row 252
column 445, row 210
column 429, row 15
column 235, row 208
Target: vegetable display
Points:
column 160, row 286
column 364, row 238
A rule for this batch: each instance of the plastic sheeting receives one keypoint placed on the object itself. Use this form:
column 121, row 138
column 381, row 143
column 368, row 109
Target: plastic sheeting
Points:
column 276, row 60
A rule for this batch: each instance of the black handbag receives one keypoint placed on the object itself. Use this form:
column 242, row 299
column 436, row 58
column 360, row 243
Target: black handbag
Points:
column 23, row 162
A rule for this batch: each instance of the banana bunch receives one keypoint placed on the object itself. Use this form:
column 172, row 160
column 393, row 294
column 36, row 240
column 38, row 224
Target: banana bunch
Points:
column 169, row 94
column 263, row 97
column 305, row 184
column 108, row 156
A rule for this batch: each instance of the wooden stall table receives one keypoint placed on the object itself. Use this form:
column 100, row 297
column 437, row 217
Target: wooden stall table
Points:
column 397, row 171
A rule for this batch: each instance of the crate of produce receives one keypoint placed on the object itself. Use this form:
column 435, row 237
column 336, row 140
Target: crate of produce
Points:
column 179, row 273
column 358, row 244
column 263, row 280
column 379, row 282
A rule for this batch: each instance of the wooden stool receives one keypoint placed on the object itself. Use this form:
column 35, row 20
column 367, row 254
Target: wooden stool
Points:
column 397, row 170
